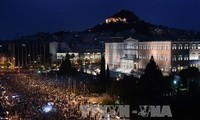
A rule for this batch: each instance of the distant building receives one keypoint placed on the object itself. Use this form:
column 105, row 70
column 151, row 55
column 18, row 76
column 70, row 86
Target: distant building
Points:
column 117, row 19
column 85, row 52
column 29, row 53
column 132, row 56
column 57, row 47
column 6, row 59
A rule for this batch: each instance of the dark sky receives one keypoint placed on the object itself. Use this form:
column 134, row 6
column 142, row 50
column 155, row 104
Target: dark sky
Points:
column 25, row 17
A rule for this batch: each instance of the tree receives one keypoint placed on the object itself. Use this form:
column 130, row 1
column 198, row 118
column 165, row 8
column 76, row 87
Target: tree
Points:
column 102, row 69
column 65, row 67
column 190, row 79
column 108, row 74
column 126, row 89
column 188, row 103
column 102, row 75
column 150, row 84
column 108, row 82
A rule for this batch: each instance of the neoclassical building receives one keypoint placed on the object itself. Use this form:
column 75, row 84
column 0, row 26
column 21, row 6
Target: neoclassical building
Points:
column 132, row 56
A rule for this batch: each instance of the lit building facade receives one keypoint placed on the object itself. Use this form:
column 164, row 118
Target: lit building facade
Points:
column 56, row 47
column 184, row 54
column 132, row 56
column 29, row 54
column 7, row 60
column 113, row 53
column 114, row 20
column 161, row 52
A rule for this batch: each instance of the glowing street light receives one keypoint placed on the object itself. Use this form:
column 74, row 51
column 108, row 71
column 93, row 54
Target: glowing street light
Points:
column 175, row 82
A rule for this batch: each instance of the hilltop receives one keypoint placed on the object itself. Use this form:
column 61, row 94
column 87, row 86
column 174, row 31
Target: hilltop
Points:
column 128, row 21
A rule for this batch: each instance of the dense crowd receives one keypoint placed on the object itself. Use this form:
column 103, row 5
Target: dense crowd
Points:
column 33, row 97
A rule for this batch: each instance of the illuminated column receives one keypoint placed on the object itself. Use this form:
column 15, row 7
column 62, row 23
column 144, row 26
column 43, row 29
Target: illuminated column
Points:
column 13, row 55
column 18, row 59
column 22, row 51
column 29, row 54
column 33, row 53
column 1, row 54
column 0, row 49
column 41, row 61
column 3, row 60
column 44, row 52
column 26, row 55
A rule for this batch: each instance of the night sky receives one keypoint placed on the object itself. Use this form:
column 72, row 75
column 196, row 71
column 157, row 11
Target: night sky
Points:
column 26, row 17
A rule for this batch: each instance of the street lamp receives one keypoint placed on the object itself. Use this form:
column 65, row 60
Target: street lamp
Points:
column 175, row 82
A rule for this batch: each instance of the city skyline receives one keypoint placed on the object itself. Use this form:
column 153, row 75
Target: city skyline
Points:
column 20, row 18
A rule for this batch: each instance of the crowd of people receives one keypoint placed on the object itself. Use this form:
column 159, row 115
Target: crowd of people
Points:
column 29, row 96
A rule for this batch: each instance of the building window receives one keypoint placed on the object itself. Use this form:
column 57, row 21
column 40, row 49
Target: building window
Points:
column 144, row 47
column 147, row 56
column 157, row 57
column 199, row 56
column 144, row 56
column 140, row 47
column 174, row 69
column 166, row 58
column 140, row 56
column 161, row 47
column 152, row 47
column 148, row 47
column 161, row 68
column 157, row 47
column 185, row 57
column 174, row 46
column 174, row 58
column 134, row 67
column 193, row 46
column 180, row 58
column 198, row 46
column 180, row 46
column 126, row 47
column 186, row 46
column 167, row 47
column 161, row 57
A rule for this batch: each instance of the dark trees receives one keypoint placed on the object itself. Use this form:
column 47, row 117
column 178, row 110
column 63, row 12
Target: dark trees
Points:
column 190, row 79
column 127, row 89
column 65, row 67
column 150, row 85
column 186, row 105
column 102, row 69
column 102, row 75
